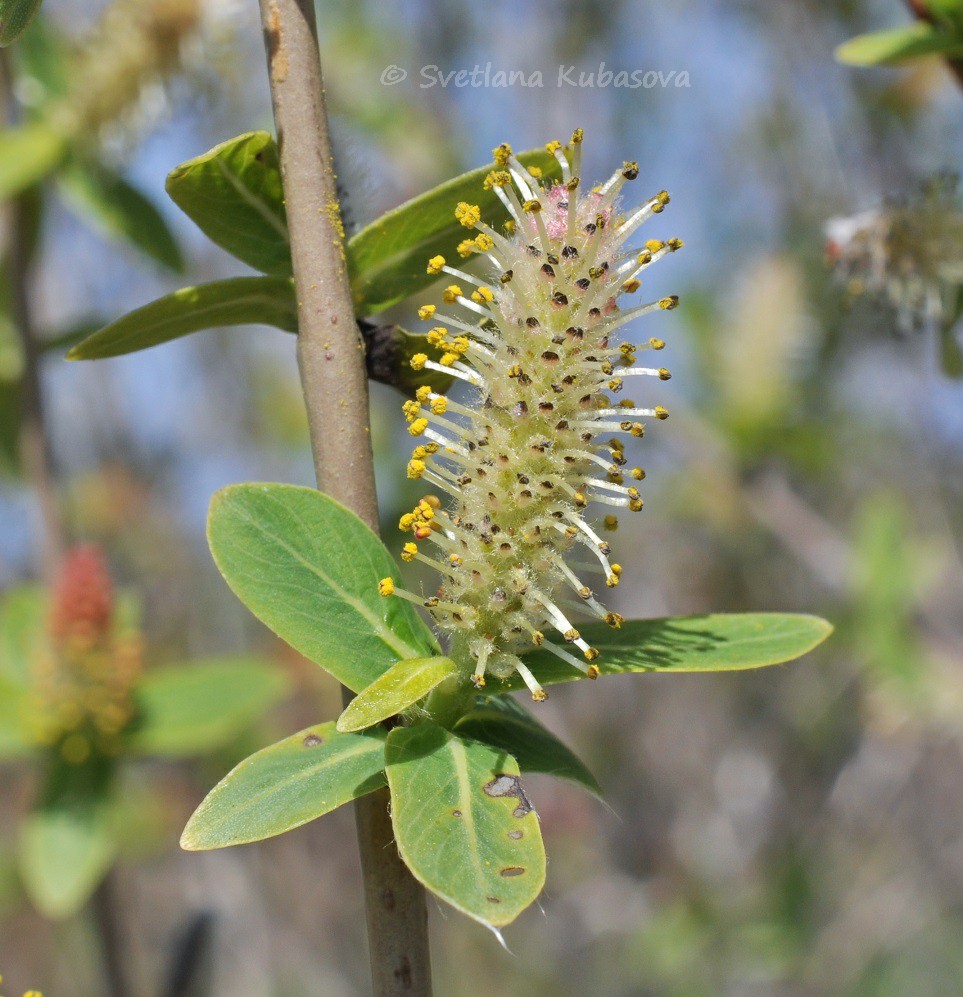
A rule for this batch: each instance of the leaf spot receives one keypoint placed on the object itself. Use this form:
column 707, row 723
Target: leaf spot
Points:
column 515, row 835
column 456, row 813
column 312, row 741
column 512, row 870
column 493, row 900
column 510, row 785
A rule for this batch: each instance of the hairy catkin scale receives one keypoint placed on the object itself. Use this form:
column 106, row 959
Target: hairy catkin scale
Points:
column 521, row 464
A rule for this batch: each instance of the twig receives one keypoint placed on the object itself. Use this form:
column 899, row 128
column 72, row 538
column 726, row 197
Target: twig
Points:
column 35, row 451
column 332, row 365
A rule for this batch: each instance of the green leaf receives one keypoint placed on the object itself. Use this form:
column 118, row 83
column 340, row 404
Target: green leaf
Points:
column 23, row 623
column 720, row 642
column 238, row 301
column 192, row 709
column 387, row 258
column 14, row 742
column 233, row 193
column 504, row 723
column 67, row 844
column 120, row 210
column 897, row 45
column 286, row 785
column 15, row 16
column 308, row 568
column 463, row 824
column 401, row 686
column 27, row 155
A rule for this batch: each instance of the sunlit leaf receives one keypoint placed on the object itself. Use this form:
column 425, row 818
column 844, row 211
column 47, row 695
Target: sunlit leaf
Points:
column 194, row 708
column 233, row 194
column 887, row 48
column 720, row 642
column 399, row 687
column 286, row 785
column 308, row 568
column 237, row 301
column 23, row 623
column 27, row 155
column 387, row 258
column 463, row 823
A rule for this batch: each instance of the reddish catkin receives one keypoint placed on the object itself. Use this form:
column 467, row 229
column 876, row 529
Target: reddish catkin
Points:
column 534, row 336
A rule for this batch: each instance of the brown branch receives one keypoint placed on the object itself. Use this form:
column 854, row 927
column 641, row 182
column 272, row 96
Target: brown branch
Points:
column 332, row 365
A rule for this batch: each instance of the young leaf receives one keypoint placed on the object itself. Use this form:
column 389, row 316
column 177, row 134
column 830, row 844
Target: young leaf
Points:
column 387, row 258
column 15, row 16
column 121, row 211
column 401, row 686
column 237, row 301
column 889, row 48
column 194, row 708
column 233, row 193
column 504, row 723
column 23, row 622
column 308, row 568
column 463, row 824
column 286, row 785
column 720, row 642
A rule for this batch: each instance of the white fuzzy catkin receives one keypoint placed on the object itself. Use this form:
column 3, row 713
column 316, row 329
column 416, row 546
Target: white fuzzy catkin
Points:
column 523, row 462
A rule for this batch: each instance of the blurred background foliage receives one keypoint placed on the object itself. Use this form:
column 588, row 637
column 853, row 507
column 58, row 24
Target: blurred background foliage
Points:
column 791, row 831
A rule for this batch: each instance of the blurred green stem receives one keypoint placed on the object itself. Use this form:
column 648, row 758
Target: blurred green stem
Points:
column 331, row 359
column 35, row 450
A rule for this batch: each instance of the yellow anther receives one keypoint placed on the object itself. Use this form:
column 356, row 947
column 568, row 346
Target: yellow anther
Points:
column 552, row 147
column 571, row 635
column 435, row 264
column 539, row 695
column 637, row 430
column 644, row 257
column 454, row 560
column 664, row 374
column 386, row 587
column 408, row 552
column 611, row 523
column 577, row 136
column 411, row 410
column 418, row 427
column 439, row 406
column 591, row 654
column 460, row 344
column 423, row 393
column 612, row 581
column 406, row 522
column 418, row 361
column 661, row 413
column 538, row 638
column 484, row 242
column 509, row 227
column 432, row 447
column 416, row 468
column 426, row 312
column 592, row 671
column 431, row 501
column 617, row 570
column 533, row 205
column 635, row 505
column 497, row 178
column 638, row 473
column 656, row 344
column 436, row 336
column 452, row 292
column 468, row 214
column 448, row 359
column 614, row 620
column 631, row 286
column 535, row 171
column 654, row 245
column 674, row 244
column 483, row 296
column 501, row 153
column 667, row 304
column 466, row 248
